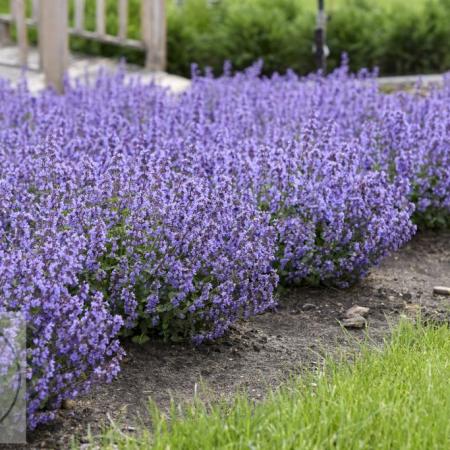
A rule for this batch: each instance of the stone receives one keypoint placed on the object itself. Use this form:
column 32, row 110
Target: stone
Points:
column 355, row 321
column 357, row 310
column 441, row 290
column 308, row 306
column 68, row 404
column 413, row 308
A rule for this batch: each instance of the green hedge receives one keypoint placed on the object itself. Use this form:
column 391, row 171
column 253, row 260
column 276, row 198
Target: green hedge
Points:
column 399, row 36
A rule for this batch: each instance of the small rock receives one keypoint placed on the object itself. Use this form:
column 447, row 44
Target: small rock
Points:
column 412, row 310
column 354, row 322
column 256, row 348
column 68, row 404
column 308, row 306
column 441, row 290
column 356, row 310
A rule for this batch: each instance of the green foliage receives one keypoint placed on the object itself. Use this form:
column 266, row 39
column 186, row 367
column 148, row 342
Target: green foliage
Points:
column 418, row 42
column 240, row 32
column 358, row 30
column 432, row 218
column 173, row 326
column 398, row 36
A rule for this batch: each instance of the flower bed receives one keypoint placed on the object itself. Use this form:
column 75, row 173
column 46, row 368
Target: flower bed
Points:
column 126, row 210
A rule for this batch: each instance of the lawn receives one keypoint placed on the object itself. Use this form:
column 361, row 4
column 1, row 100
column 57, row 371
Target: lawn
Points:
column 395, row 396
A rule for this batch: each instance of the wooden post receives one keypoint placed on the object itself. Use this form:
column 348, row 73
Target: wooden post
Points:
column 100, row 12
column 5, row 35
column 54, row 41
column 123, row 19
column 79, row 15
column 153, row 30
column 22, row 37
column 5, row 31
column 35, row 10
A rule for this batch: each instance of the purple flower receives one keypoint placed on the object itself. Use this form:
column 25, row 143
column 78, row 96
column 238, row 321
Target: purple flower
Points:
column 127, row 210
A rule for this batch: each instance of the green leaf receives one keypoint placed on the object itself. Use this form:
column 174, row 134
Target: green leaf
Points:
column 140, row 339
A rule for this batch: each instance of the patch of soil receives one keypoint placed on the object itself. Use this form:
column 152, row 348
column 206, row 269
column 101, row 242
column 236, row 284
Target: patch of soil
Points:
column 263, row 351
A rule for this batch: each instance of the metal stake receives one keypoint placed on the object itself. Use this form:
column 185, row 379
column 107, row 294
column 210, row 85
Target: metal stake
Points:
column 319, row 37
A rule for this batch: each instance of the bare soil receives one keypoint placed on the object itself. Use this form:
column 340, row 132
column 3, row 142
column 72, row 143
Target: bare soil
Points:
column 264, row 350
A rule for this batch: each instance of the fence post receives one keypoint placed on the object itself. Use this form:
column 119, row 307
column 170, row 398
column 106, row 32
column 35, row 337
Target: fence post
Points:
column 5, row 30
column 153, row 29
column 53, row 41
column 5, row 36
column 18, row 8
column 100, row 11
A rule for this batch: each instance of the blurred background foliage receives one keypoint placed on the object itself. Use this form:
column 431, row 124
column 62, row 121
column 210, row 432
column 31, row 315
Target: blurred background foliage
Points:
column 398, row 36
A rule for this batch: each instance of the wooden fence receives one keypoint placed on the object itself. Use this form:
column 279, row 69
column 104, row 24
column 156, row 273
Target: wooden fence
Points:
column 50, row 17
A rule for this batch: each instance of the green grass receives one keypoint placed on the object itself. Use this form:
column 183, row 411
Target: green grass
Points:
column 397, row 397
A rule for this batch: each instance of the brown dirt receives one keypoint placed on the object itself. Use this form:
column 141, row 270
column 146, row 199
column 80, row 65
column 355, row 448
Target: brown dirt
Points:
column 263, row 351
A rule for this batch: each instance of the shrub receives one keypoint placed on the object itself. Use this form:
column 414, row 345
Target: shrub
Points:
column 72, row 336
column 417, row 42
column 126, row 210
column 185, row 258
column 393, row 36
column 97, row 233
column 407, row 136
column 396, row 36
column 335, row 217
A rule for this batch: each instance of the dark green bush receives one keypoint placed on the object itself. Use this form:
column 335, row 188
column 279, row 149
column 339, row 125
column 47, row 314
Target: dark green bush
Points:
column 418, row 43
column 359, row 29
column 397, row 36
